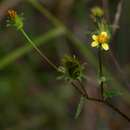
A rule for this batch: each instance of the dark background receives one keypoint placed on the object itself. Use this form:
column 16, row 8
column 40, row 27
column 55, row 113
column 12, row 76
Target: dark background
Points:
column 31, row 97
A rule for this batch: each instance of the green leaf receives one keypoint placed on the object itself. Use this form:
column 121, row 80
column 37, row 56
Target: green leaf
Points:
column 79, row 107
column 112, row 93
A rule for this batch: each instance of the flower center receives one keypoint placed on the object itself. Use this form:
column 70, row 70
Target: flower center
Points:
column 102, row 38
column 12, row 14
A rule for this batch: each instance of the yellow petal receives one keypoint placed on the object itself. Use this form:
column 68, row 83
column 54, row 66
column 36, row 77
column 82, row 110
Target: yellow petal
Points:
column 94, row 44
column 104, row 33
column 94, row 37
column 105, row 46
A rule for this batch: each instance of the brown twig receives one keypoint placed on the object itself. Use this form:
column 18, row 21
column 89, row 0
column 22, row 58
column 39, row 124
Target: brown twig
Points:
column 85, row 94
column 115, row 27
column 82, row 87
column 117, row 110
column 115, row 24
column 79, row 90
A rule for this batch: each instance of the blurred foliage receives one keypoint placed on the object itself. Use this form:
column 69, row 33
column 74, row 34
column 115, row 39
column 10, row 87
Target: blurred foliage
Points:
column 31, row 97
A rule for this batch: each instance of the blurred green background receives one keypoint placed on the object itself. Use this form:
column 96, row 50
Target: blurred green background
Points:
column 31, row 97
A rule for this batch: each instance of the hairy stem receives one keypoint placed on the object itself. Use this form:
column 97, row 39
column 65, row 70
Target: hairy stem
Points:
column 38, row 50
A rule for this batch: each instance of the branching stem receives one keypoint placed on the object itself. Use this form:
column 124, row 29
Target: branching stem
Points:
column 80, row 89
column 85, row 95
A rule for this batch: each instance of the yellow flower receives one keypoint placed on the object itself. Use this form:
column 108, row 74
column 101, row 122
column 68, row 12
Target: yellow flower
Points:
column 101, row 40
column 15, row 19
column 12, row 14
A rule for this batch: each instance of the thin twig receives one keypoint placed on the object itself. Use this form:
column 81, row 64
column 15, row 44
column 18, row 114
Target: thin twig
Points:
column 101, row 101
column 84, row 94
column 38, row 50
column 115, row 27
column 117, row 110
column 79, row 90
column 82, row 87
column 115, row 24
